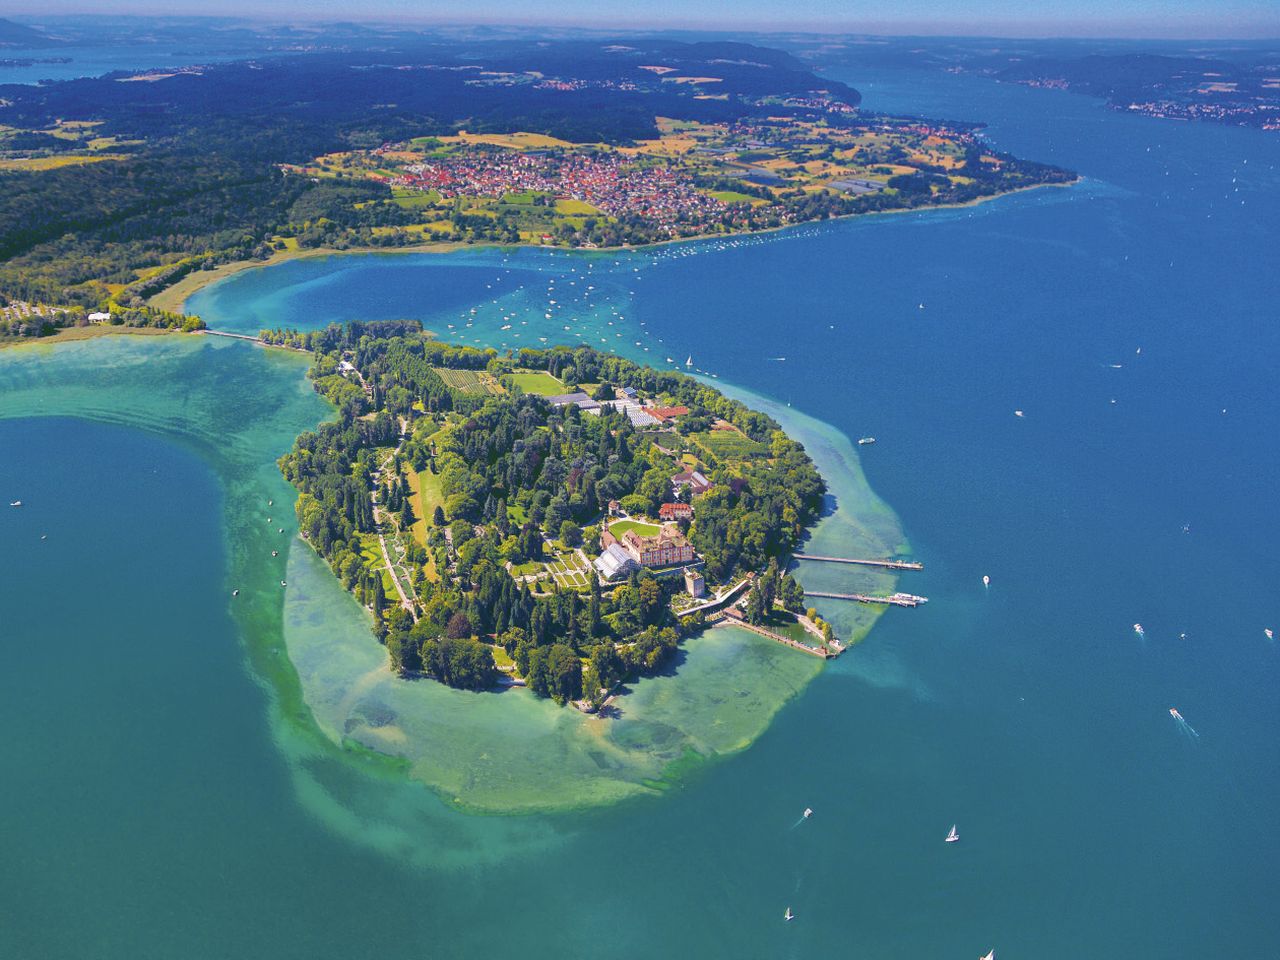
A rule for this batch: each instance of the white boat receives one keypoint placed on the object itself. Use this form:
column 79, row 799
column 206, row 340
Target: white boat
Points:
column 15, row 503
column 1017, row 413
column 986, row 580
column 1137, row 628
column 808, row 812
column 689, row 361
column 1173, row 712
column 991, row 955
column 788, row 915
column 952, row 837
column 864, row 441
column 1269, row 632
column 235, row 593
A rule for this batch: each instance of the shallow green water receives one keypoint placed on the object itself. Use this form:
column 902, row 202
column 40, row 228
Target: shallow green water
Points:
column 238, row 408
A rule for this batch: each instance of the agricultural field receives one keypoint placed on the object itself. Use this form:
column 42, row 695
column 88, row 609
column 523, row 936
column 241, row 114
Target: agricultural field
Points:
column 478, row 382
column 56, row 161
column 729, row 444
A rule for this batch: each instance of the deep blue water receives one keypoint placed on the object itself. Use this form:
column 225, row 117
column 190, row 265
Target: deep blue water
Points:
column 1030, row 713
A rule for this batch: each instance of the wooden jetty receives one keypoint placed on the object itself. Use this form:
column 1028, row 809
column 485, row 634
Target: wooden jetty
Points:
column 897, row 599
column 887, row 564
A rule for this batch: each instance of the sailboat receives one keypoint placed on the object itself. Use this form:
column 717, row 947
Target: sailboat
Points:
column 952, row 837
column 689, row 361
column 788, row 915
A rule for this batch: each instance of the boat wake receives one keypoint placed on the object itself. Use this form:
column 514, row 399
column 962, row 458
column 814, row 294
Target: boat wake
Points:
column 808, row 812
column 1186, row 729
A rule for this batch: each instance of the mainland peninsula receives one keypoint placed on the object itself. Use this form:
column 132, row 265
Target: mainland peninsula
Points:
column 117, row 191
column 554, row 518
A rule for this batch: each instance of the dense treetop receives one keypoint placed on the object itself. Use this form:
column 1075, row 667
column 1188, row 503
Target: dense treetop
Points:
column 518, row 478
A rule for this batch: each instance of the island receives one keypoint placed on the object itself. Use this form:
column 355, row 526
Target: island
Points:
column 558, row 518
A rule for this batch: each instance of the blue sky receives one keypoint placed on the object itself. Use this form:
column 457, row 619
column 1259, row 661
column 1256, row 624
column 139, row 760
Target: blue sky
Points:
column 1145, row 18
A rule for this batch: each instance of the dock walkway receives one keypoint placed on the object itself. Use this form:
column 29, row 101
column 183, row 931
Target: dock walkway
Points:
column 886, row 564
column 896, row 600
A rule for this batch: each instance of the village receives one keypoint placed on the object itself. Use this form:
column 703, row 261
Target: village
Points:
column 814, row 160
column 608, row 183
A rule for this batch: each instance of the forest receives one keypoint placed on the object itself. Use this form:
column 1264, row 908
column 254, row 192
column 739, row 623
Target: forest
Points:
column 519, row 479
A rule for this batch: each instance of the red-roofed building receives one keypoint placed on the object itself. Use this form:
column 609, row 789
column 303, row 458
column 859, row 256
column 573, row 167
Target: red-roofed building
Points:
column 675, row 511
column 667, row 413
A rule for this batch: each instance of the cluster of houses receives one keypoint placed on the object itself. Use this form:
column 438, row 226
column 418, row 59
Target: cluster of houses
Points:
column 615, row 186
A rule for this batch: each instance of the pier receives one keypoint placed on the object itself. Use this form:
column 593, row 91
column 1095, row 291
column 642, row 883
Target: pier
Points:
column 822, row 652
column 886, row 564
column 258, row 340
column 233, row 336
column 896, row 600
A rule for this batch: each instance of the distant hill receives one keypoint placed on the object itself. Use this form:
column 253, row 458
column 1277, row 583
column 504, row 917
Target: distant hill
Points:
column 19, row 35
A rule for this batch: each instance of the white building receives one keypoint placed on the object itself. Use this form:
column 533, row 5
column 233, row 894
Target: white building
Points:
column 614, row 562
column 99, row 317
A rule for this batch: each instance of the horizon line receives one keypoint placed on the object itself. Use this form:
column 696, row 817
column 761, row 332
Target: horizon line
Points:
column 876, row 30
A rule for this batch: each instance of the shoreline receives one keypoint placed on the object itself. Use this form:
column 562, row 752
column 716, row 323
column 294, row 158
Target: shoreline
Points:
column 76, row 334
column 174, row 299
column 316, row 681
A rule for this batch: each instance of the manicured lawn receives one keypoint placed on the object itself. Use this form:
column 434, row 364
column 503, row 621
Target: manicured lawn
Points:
column 372, row 554
column 432, row 493
column 619, row 527
column 569, row 571
column 538, row 382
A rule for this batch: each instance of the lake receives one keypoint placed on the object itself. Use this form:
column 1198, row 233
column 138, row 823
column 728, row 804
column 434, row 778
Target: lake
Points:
column 172, row 805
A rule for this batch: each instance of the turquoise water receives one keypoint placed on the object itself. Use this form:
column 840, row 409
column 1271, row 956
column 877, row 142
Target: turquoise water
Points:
column 1030, row 714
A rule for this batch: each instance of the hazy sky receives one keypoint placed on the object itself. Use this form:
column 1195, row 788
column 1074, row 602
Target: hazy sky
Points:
column 1147, row 18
